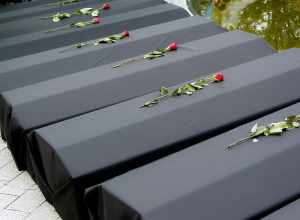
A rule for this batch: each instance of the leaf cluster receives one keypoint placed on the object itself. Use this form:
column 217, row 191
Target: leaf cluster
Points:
column 277, row 128
column 87, row 11
column 155, row 54
column 60, row 16
column 186, row 89
column 107, row 40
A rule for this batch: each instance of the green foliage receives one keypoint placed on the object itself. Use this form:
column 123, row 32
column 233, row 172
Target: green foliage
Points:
column 80, row 11
column 160, row 52
column 155, row 54
column 277, row 128
column 60, row 16
column 186, row 89
column 107, row 40
column 80, row 24
column 277, row 21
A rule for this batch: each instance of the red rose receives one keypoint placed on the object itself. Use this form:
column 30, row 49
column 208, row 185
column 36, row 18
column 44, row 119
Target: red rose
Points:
column 172, row 46
column 218, row 77
column 106, row 6
column 125, row 34
column 96, row 20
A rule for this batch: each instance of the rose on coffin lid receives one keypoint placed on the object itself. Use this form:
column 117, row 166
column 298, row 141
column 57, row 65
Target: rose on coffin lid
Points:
column 186, row 89
column 151, row 55
column 82, row 11
column 95, row 20
column 291, row 122
column 106, row 40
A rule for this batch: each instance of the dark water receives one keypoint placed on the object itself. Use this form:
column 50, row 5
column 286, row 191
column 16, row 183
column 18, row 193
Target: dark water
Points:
column 277, row 21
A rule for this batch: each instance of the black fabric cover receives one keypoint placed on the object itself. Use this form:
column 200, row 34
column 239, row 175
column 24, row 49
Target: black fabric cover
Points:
column 26, row 44
column 58, row 62
column 289, row 212
column 208, row 182
column 51, row 101
column 35, row 24
column 35, row 8
column 13, row 7
column 80, row 152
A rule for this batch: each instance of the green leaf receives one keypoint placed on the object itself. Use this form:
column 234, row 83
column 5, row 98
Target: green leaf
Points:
column 80, row 24
column 260, row 130
column 164, row 91
column 86, row 11
column 254, row 128
column 156, row 52
column 95, row 13
column 291, row 118
column 278, row 128
column 117, row 37
column 177, row 92
column 296, row 124
column 188, row 89
column 152, row 56
column 60, row 16
column 196, row 86
column 150, row 103
column 55, row 19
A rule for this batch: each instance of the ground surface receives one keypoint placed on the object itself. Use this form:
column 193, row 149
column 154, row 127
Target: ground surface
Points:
column 20, row 198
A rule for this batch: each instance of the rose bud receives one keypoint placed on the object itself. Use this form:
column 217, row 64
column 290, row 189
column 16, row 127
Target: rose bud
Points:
column 172, row 46
column 125, row 34
column 106, row 6
column 218, row 77
column 96, row 20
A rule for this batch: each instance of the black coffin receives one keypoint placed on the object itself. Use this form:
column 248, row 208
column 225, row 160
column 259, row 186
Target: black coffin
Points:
column 72, row 155
column 289, row 212
column 38, row 8
column 44, row 103
column 9, row 8
column 26, row 44
column 62, row 61
column 35, row 24
column 209, row 182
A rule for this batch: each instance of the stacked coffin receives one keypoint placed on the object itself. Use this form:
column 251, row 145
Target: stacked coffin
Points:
column 40, row 23
column 30, row 107
column 74, row 122
column 42, row 40
column 34, row 106
column 207, row 181
column 69, row 156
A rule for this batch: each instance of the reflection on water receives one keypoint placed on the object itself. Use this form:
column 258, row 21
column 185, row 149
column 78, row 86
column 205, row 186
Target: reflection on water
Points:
column 277, row 21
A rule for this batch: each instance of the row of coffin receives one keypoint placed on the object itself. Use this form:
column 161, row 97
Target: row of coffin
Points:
column 73, row 121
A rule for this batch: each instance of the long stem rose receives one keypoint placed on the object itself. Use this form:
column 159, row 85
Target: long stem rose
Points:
column 151, row 55
column 82, row 11
column 277, row 128
column 186, row 89
column 95, row 20
column 106, row 40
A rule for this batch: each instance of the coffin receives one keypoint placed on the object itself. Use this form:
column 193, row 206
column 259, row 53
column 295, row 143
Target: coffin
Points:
column 72, row 155
column 35, row 23
column 45, row 103
column 62, row 61
column 30, row 43
column 8, row 9
column 209, row 182
column 288, row 212
column 38, row 8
